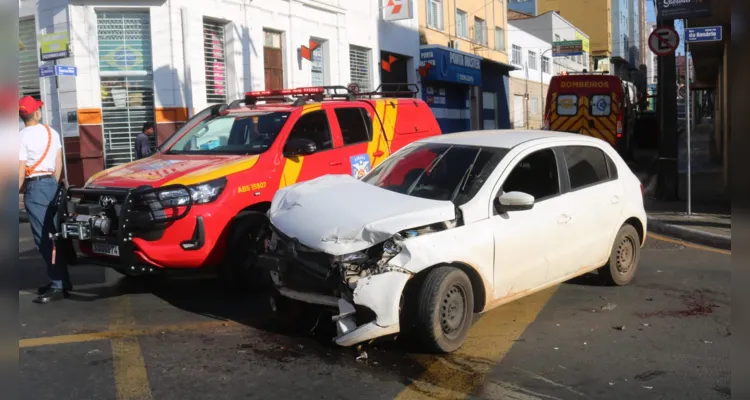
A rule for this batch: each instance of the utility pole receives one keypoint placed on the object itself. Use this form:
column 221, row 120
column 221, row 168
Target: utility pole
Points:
column 667, row 178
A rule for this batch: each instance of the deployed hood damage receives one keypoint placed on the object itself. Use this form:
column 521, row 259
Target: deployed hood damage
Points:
column 345, row 244
column 338, row 214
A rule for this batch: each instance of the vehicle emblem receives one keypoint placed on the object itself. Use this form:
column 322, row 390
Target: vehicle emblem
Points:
column 107, row 202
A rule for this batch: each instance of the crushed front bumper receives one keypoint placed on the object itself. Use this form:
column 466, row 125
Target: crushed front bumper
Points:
column 369, row 311
column 103, row 222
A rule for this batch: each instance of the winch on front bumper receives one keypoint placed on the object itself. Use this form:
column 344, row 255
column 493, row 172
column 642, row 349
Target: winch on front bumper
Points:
column 104, row 222
column 366, row 292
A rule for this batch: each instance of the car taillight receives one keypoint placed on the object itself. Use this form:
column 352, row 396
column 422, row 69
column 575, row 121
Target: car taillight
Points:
column 619, row 126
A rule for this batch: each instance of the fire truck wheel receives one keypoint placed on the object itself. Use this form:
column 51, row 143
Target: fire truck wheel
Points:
column 238, row 271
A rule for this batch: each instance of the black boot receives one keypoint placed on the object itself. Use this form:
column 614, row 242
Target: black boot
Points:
column 51, row 295
column 43, row 289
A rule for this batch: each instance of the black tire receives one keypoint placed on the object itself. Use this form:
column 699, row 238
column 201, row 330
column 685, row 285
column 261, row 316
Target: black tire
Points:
column 237, row 272
column 624, row 258
column 445, row 309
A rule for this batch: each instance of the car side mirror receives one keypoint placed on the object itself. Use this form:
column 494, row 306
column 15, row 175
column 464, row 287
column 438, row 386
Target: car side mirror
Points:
column 514, row 201
column 299, row 147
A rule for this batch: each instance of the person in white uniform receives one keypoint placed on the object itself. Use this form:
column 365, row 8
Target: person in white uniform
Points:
column 39, row 170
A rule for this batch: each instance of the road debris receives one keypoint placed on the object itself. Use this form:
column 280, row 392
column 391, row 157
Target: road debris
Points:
column 649, row 299
column 707, row 342
column 557, row 348
column 362, row 356
column 95, row 351
column 646, row 324
column 619, row 327
column 584, row 343
column 609, row 307
column 648, row 387
column 611, row 384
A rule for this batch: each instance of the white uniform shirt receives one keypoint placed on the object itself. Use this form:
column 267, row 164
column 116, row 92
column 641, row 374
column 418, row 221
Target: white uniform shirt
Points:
column 33, row 143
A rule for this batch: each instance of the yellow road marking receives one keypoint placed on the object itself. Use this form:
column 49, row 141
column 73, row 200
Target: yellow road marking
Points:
column 131, row 378
column 121, row 333
column 687, row 244
column 461, row 373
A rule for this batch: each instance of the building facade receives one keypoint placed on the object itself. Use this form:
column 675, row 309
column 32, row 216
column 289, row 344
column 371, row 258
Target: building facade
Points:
column 530, row 39
column 464, row 63
column 162, row 61
column 615, row 28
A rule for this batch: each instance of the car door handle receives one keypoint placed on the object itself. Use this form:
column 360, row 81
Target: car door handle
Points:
column 334, row 163
column 564, row 219
column 615, row 199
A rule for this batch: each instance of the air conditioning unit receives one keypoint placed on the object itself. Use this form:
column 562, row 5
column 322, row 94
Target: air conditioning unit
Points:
column 453, row 44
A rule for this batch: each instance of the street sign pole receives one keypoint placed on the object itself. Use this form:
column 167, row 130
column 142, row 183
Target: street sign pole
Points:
column 60, row 116
column 688, row 121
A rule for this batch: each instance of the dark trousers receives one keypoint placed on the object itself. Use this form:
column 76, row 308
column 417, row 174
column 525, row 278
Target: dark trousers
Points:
column 40, row 201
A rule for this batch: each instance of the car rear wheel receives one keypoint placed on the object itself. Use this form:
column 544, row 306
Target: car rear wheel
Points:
column 238, row 270
column 445, row 309
column 624, row 258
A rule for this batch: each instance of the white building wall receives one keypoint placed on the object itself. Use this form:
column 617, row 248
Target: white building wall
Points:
column 529, row 42
column 340, row 23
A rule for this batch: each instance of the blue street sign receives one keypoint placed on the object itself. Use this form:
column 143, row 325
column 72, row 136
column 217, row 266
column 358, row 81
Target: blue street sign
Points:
column 46, row 70
column 66, row 70
column 703, row 34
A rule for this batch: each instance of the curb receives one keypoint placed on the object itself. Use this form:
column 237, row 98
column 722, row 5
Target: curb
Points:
column 690, row 235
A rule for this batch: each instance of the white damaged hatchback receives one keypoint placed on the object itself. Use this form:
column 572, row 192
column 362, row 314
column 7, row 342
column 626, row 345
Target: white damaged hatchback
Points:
column 455, row 225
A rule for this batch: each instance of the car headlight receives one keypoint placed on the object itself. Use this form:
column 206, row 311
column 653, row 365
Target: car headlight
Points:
column 201, row 193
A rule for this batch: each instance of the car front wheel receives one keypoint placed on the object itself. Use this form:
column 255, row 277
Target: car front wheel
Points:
column 624, row 258
column 445, row 309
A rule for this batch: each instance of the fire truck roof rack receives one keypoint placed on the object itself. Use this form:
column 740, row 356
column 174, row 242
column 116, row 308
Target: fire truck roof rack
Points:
column 392, row 90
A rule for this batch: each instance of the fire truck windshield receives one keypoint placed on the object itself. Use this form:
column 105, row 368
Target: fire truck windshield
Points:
column 251, row 133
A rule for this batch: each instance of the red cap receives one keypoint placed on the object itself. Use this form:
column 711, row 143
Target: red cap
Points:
column 28, row 105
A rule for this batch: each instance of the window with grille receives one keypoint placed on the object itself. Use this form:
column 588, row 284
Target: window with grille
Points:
column 28, row 66
column 545, row 65
column 435, row 14
column 480, row 31
column 360, row 64
column 318, row 65
column 515, row 55
column 214, row 53
column 532, row 59
column 499, row 39
column 127, row 86
column 462, row 24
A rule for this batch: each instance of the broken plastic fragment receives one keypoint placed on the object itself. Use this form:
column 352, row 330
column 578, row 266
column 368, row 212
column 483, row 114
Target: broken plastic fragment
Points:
column 648, row 387
column 619, row 327
column 362, row 356
column 609, row 307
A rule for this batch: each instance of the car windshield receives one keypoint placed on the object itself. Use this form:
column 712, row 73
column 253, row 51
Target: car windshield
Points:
column 437, row 171
column 232, row 134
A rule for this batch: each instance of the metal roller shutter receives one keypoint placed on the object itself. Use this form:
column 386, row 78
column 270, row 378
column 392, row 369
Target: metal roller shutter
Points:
column 359, row 64
column 127, row 86
column 215, row 57
column 28, row 64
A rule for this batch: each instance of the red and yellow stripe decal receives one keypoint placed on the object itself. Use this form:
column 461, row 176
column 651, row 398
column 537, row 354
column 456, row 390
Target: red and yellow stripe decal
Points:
column 214, row 172
column 383, row 132
column 604, row 128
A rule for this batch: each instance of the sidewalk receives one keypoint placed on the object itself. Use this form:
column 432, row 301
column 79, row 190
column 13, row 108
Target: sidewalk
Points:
column 711, row 221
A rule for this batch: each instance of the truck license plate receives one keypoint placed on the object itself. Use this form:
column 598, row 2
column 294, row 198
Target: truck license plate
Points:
column 106, row 249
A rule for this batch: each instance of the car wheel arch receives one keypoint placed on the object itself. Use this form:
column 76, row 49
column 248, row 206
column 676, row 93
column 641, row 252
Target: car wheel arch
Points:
column 477, row 283
column 636, row 223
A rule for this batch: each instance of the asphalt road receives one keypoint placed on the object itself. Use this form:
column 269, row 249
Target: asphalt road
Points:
column 666, row 336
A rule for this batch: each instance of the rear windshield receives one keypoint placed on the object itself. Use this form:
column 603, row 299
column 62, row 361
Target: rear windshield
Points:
column 232, row 134
column 437, row 171
column 567, row 104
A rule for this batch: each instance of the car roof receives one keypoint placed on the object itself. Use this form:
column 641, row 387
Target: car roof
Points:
column 505, row 138
column 289, row 106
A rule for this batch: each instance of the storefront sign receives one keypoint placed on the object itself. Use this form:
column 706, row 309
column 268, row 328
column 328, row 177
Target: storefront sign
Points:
column 680, row 9
column 450, row 65
column 567, row 48
column 53, row 46
column 396, row 10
